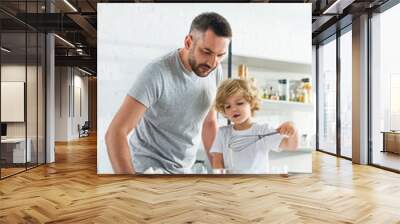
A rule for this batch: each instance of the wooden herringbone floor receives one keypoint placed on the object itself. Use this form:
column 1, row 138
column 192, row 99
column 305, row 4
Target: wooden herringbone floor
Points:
column 70, row 191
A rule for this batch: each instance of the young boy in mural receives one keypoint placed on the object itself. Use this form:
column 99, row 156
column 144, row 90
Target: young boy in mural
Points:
column 237, row 147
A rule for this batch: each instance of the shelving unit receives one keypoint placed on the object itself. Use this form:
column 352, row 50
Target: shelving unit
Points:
column 286, row 105
column 269, row 72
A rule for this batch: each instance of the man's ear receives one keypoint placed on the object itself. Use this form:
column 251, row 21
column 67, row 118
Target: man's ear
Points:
column 188, row 41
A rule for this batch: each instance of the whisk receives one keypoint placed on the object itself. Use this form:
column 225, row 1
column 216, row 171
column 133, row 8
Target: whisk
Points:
column 238, row 143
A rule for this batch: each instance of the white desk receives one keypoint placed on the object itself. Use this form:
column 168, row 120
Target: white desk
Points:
column 18, row 149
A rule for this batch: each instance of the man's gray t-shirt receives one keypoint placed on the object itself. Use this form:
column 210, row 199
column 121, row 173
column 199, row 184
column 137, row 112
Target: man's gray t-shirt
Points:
column 177, row 101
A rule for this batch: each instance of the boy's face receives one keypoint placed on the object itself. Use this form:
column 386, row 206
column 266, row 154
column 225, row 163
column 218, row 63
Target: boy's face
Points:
column 237, row 109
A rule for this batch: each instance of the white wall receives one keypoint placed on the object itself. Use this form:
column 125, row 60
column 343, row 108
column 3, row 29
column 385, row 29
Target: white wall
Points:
column 67, row 81
column 131, row 35
column 61, row 103
column 80, row 84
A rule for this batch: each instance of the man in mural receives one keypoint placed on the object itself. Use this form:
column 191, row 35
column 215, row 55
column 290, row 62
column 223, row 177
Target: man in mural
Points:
column 170, row 103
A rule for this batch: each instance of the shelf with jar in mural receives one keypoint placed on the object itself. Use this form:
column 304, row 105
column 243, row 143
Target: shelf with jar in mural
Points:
column 287, row 90
column 295, row 92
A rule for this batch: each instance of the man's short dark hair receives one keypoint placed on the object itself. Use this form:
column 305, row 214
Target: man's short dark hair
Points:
column 211, row 20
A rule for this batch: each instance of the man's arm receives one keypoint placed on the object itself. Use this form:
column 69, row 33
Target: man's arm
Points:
column 122, row 124
column 210, row 127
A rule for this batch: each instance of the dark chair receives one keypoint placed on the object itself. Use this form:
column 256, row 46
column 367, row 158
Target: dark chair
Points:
column 84, row 130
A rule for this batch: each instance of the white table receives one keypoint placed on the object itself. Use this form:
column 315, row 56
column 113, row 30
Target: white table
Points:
column 18, row 148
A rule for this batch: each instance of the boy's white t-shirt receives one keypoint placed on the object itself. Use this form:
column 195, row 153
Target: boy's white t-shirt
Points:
column 252, row 159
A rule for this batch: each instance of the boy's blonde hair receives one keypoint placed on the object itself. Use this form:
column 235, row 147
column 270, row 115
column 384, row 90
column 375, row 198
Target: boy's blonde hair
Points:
column 231, row 87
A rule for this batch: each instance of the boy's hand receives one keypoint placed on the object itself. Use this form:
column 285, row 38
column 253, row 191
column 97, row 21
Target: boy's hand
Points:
column 287, row 128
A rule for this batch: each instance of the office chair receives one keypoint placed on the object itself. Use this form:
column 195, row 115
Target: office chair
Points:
column 84, row 130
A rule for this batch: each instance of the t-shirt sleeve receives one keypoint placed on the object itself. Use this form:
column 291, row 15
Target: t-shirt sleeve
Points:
column 147, row 88
column 218, row 144
column 271, row 142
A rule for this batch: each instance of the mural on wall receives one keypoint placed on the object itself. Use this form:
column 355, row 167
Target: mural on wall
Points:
column 165, row 96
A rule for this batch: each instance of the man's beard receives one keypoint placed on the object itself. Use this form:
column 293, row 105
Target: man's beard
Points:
column 196, row 68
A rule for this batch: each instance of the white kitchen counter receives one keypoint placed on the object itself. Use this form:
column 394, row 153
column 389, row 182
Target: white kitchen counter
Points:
column 299, row 161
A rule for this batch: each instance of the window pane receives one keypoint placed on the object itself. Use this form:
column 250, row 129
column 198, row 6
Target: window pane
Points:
column 346, row 94
column 14, row 153
column 327, row 97
column 386, row 89
column 41, row 98
column 31, row 101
